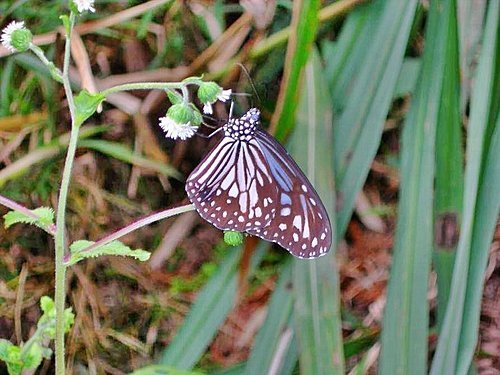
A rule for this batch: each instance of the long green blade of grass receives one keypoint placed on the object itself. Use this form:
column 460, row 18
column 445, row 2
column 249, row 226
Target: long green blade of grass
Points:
column 303, row 34
column 449, row 171
column 275, row 332
column 481, row 204
column 316, row 287
column 405, row 324
column 357, row 134
column 212, row 305
column 471, row 21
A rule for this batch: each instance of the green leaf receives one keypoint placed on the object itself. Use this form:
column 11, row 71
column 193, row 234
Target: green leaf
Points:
column 404, row 339
column 33, row 357
column 86, row 105
column 47, row 305
column 366, row 94
column 42, row 217
column 448, row 185
column 111, row 248
column 65, row 19
column 408, row 77
column 481, row 204
column 315, row 282
column 8, row 351
column 46, row 323
column 303, row 33
column 11, row 355
column 276, row 333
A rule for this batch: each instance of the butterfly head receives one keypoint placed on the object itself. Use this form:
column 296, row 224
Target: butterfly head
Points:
column 243, row 128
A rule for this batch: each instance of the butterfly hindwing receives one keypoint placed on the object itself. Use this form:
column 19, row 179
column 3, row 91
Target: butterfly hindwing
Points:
column 301, row 225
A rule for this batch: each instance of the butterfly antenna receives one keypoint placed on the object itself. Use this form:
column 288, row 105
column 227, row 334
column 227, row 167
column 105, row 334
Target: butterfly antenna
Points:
column 207, row 125
column 215, row 132
column 243, row 67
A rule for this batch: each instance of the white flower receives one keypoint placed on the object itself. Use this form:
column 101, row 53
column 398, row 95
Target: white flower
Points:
column 7, row 34
column 175, row 130
column 207, row 108
column 84, row 5
column 224, row 95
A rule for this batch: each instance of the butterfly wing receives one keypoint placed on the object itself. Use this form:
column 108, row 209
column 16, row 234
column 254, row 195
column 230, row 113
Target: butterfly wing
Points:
column 230, row 186
column 256, row 187
column 301, row 224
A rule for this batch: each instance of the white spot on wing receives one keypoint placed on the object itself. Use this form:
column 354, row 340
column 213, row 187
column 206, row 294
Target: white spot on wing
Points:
column 234, row 191
column 285, row 211
column 297, row 222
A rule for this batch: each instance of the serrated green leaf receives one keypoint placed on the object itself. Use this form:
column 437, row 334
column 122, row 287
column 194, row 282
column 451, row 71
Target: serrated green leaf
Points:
column 42, row 217
column 47, row 304
column 46, row 323
column 69, row 319
column 33, row 357
column 112, row 248
column 6, row 350
column 11, row 355
column 86, row 105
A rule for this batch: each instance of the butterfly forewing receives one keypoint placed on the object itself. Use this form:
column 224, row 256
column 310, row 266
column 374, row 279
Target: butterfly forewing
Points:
column 227, row 185
column 249, row 183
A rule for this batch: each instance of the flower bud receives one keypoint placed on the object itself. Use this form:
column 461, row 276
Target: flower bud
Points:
column 180, row 113
column 233, row 238
column 21, row 39
column 208, row 92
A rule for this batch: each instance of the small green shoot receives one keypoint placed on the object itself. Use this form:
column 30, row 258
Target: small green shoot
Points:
column 29, row 356
column 86, row 105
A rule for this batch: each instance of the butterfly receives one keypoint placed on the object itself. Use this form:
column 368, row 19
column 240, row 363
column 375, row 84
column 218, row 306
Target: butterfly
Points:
column 249, row 183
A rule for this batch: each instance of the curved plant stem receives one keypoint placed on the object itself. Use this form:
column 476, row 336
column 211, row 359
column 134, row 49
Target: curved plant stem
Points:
column 134, row 226
column 144, row 86
column 60, row 243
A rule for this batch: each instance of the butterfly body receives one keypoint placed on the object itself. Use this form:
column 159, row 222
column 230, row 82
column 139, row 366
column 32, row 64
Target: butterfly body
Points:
column 249, row 183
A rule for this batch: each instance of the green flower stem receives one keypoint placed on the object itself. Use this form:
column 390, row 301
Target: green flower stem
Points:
column 56, row 73
column 185, row 94
column 134, row 226
column 144, row 86
column 60, row 243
